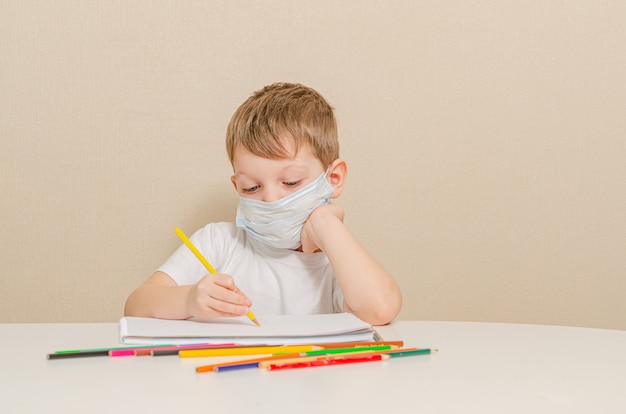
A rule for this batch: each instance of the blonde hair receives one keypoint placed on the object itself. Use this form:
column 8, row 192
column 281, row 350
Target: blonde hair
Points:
column 284, row 111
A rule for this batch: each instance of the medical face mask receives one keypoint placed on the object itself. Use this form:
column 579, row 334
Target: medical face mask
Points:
column 279, row 223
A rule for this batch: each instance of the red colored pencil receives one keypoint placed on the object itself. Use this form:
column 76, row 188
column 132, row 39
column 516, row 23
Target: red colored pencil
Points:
column 328, row 361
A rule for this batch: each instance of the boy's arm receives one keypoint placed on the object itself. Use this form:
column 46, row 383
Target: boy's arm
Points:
column 160, row 297
column 369, row 290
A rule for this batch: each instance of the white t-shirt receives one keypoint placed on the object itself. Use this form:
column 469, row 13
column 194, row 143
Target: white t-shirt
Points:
column 277, row 281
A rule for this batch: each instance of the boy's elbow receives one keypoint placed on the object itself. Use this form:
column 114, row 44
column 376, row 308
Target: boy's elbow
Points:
column 132, row 307
column 386, row 313
column 129, row 308
column 382, row 312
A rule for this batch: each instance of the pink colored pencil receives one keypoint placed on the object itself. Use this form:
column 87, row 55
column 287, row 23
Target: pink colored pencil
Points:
column 121, row 352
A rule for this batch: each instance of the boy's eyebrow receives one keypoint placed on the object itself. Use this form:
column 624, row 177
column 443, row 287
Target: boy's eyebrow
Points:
column 288, row 168
column 296, row 167
column 242, row 174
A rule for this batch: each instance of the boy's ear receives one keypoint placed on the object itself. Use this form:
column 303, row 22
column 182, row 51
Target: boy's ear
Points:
column 337, row 173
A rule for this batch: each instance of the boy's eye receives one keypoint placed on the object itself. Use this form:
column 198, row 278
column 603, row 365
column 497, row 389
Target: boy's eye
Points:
column 292, row 183
column 250, row 189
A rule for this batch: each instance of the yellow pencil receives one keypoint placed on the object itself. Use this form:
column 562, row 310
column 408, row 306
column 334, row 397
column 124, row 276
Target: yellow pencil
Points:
column 249, row 350
column 206, row 264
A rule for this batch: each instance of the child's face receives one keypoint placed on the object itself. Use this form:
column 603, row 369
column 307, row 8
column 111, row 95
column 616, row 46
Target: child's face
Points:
column 268, row 179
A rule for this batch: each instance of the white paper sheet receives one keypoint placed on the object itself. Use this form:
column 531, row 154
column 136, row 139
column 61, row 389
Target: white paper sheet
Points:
column 275, row 329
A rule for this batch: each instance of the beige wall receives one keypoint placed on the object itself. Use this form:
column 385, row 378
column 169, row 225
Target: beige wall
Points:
column 485, row 140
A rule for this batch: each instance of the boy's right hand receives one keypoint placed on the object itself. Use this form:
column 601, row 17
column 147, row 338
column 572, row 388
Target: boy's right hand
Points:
column 318, row 223
column 216, row 295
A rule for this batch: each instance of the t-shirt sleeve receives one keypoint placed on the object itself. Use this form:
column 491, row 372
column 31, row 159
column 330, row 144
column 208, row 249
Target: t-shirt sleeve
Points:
column 184, row 267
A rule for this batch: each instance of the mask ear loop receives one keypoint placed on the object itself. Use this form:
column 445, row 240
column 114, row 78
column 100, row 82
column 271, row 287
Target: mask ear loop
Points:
column 327, row 171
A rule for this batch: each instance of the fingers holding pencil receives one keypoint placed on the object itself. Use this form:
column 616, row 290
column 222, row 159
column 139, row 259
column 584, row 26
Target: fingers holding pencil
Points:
column 211, row 269
column 216, row 295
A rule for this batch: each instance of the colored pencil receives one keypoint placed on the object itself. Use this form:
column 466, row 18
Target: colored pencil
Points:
column 69, row 351
column 364, row 343
column 409, row 352
column 78, row 354
column 327, row 362
column 147, row 351
column 351, row 349
column 129, row 350
column 122, row 352
column 236, row 367
column 206, row 264
column 264, row 362
column 294, row 356
column 193, row 353
column 253, row 361
column 169, row 352
column 302, row 358
column 391, row 353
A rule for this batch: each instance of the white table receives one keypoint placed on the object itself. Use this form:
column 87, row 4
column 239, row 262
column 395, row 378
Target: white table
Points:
column 480, row 368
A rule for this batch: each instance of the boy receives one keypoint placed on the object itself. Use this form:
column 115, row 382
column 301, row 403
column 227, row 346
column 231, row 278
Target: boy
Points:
column 289, row 249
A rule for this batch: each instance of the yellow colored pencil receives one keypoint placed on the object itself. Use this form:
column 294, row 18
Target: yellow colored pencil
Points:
column 206, row 264
column 249, row 350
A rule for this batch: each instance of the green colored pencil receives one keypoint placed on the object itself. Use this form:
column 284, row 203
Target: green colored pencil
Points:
column 348, row 350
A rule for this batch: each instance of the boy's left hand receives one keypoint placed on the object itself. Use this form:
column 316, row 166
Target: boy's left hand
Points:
column 318, row 224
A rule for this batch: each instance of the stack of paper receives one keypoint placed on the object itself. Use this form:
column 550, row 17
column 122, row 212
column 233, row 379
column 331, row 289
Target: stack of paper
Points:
column 274, row 330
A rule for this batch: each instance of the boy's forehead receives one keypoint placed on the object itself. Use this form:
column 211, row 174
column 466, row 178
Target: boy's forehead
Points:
column 245, row 162
column 293, row 151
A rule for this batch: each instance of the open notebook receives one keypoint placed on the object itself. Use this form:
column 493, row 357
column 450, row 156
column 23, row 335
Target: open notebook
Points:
column 274, row 330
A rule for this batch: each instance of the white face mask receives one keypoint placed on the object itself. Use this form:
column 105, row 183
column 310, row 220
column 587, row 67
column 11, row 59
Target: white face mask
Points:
column 279, row 223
